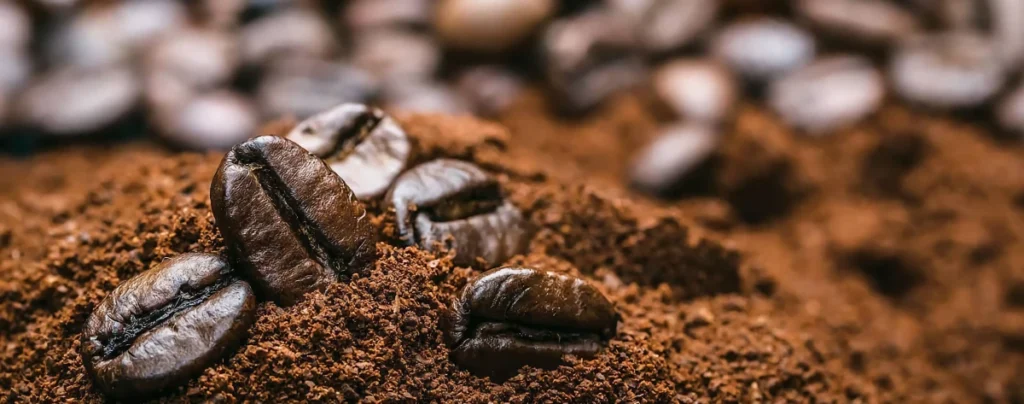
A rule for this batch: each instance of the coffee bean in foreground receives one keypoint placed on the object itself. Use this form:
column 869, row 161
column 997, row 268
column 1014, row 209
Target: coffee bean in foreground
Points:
column 460, row 207
column 361, row 144
column 162, row 327
column 514, row 317
column 290, row 223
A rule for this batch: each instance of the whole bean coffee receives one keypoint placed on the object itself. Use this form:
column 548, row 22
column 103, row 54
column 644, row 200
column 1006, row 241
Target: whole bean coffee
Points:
column 457, row 206
column 160, row 328
column 513, row 317
column 288, row 220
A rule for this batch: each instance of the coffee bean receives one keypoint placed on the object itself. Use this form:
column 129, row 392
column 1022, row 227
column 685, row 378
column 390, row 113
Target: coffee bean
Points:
column 288, row 220
column 215, row 120
column 361, row 144
column 424, row 97
column 589, row 58
column 112, row 33
column 459, row 206
column 370, row 14
column 219, row 14
column 394, row 55
column 859, row 22
column 203, row 59
column 664, row 25
column 1010, row 113
column 290, row 33
column 491, row 26
column 78, row 100
column 763, row 48
column 950, row 70
column 15, row 27
column 513, row 317
column 489, row 88
column 664, row 164
column 164, row 326
column 827, row 94
column 302, row 87
column 1001, row 21
column 15, row 70
column 695, row 89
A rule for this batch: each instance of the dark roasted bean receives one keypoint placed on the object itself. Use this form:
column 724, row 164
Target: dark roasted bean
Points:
column 492, row 25
column 827, row 94
column 394, row 55
column 459, row 206
column 78, row 100
column 696, row 89
column 1002, row 21
column 764, row 48
column 363, row 145
column 215, row 120
column 514, row 317
column 424, row 97
column 667, row 161
column 302, row 87
column 15, row 27
column 202, row 59
column 952, row 70
column 289, row 33
column 589, row 58
column 288, row 220
column 370, row 14
column 489, row 89
column 112, row 33
column 164, row 326
column 664, row 25
column 859, row 22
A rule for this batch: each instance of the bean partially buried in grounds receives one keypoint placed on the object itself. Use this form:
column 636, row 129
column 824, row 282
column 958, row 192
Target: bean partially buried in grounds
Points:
column 362, row 144
column 513, row 317
column 459, row 206
column 288, row 220
column 162, row 327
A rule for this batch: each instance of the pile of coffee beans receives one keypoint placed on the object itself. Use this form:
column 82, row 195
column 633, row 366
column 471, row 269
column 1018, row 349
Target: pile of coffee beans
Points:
column 292, row 225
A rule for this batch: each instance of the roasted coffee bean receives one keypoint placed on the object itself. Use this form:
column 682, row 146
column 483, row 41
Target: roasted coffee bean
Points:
column 664, row 25
column 490, row 26
column 288, row 220
column 827, row 94
column 202, row 59
column 112, row 33
column 513, row 317
column 362, row 144
column 695, row 89
column 394, row 55
column 289, row 33
column 764, row 48
column 78, row 100
column 427, row 97
column 589, row 58
column 15, row 27
column 215, row 120
column 370, row 14
column 489, row 88
column 459, row 206
column 859, row 22
column 303, row 87
column 664, row 164
column 1001, row 21
column 164, row 326
column 1010, row 113
column 15, row 70
column 951, row 70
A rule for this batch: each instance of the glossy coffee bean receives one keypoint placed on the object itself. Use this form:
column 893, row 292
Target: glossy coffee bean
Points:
column 369, row 14
column 489, row 88
column 459, row 207
column 78, row 100
column 363, row 145
column 203, row 59
column 1001, row 21
column 827, row 94
column 164, row 326
column 489, row 26
column 428, row 97
column 395, row 55
column 589, row 58
column 113, row 33
column 665, row 163
column 15, row 26
column 951, row 70
column 303, row 87
column 664, row 25
column 859, row 22
column 1010, row 113
column 291, row 33
column 513, row 317
column 212, row 121
column 695, row 89
column 764, row 48
column 291, row 224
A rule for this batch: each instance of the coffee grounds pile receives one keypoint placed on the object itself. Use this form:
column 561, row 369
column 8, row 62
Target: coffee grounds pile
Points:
column 882, row 264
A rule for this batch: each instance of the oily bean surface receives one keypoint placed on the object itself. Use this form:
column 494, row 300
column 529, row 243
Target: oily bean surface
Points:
column 459, row 206
column 513, row 317
column 162, row 327
column 947, row 71
column 288, row 220
column 678, row 151
column 363, row 145
column 829, row 93
column 764, row 48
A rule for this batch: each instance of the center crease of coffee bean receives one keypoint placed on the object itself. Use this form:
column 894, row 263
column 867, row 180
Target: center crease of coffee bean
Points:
column 350, row 136
column 137, row 326
column 465, row 204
